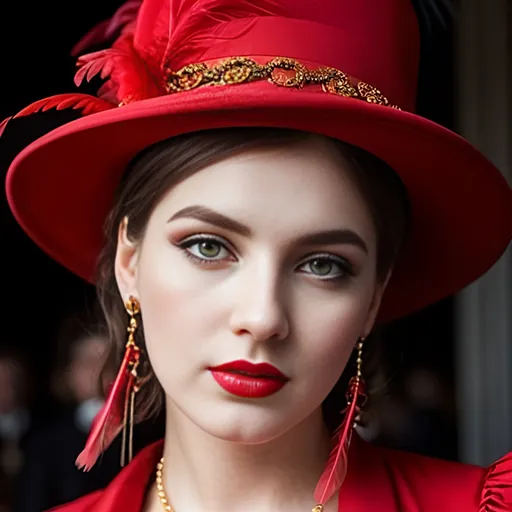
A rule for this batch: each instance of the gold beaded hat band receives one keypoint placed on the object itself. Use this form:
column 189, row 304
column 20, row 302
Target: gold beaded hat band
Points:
column 280, row 71
column 182, row 66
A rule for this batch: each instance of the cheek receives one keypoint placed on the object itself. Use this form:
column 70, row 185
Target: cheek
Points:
column 328, row 348
column 168, row 293
column 328, row 336
column 176, row 307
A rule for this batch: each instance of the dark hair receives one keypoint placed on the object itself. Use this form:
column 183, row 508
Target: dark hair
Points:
column 165, row 164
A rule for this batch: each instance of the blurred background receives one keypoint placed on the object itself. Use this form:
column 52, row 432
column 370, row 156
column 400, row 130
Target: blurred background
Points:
column 447, row 386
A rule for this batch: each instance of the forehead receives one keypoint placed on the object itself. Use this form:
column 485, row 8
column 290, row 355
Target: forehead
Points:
column 303, row 187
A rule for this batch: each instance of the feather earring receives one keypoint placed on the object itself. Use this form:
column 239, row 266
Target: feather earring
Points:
column 336, row 469
column 118, row 411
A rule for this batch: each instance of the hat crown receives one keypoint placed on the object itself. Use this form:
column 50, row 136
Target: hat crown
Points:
column 376, row 42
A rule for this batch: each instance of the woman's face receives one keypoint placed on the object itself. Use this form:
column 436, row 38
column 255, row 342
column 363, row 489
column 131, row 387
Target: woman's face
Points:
column 266, row 257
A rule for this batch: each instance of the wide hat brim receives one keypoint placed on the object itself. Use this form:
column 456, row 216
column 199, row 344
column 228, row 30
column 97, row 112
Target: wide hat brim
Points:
column 60, row 187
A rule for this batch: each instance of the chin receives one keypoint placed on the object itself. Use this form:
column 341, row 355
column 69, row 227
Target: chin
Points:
column 243, row 423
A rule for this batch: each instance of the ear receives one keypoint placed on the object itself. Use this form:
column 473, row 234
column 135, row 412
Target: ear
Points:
column 126, row 262
column 380, row 288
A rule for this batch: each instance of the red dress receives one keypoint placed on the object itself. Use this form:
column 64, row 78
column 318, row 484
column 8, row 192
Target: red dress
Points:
column 378, row 479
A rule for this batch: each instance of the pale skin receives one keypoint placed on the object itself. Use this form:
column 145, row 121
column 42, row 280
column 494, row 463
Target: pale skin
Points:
column 266, row 293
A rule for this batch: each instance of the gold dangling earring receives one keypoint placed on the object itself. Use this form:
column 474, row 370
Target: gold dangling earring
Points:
column 118, row 412
column 334, row 474
column 360, row 386
column 132, row 354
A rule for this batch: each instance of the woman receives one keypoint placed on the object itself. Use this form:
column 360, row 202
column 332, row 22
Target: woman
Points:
column 261, row 214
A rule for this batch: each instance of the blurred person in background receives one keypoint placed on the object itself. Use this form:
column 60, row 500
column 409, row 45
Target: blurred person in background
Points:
column 49, row 476
column 432, row 426
column 15, row 421
column 415, row 417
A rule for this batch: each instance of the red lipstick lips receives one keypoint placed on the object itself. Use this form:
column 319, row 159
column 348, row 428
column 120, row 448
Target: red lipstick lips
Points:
column 249, row 380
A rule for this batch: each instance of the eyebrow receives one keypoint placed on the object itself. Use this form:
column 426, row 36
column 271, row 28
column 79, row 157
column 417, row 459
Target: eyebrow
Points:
column 329, row 237
column 334, row 237
column 212, row 217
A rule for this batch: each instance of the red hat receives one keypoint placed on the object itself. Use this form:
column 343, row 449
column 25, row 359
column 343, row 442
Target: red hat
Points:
column 342, row 68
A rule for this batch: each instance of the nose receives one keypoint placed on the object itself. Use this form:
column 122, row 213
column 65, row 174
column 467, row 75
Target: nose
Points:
column 260, row 311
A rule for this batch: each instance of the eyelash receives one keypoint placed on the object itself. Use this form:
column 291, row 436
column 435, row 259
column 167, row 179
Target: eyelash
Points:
column 346, row 269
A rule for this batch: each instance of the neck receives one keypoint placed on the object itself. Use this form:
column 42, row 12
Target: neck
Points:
column 202, row 472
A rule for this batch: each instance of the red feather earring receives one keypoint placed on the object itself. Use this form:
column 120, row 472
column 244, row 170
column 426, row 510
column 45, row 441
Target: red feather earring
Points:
column 334, row 474
column 118, row 411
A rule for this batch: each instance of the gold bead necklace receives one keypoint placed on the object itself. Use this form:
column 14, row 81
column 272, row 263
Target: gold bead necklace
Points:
column 160, row 487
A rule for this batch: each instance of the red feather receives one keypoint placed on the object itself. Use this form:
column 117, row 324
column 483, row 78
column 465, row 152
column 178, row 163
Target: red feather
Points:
column 334, row 474
column 109, row 421
column 128, row 76
column 106, row 30
column 3, row 124
column 92, row 64
column 84, row 102
column 192, row 23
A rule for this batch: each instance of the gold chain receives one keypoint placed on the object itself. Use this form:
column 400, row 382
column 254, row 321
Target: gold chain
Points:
column 281, row 71
column 160, row 487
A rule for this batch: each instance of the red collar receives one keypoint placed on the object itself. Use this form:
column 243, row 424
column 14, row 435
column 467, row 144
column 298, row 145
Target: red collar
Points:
column 128, row 489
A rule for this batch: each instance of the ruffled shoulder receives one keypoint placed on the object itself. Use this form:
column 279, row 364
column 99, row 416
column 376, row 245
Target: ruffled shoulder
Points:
column 497, row 489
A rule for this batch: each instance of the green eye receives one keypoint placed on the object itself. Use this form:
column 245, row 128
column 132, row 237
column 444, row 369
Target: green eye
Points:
column 209, row 249
column 321, row 267
column 328, row 267
column 205, row 249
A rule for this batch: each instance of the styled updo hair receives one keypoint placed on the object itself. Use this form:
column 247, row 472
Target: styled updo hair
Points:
column 163, row 165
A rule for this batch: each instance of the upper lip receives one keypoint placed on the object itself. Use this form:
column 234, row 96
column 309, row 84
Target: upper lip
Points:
column 256, row 369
